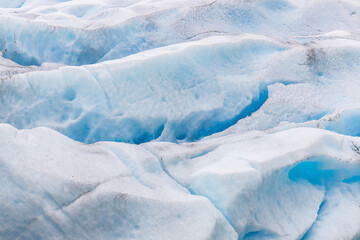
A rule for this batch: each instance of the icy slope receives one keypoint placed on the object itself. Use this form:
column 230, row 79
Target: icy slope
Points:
column 184, row 91
column 188, row 91
column 281, row 185
column 305, row 67
column 287, row 185
column 195, row 119
column 55, row 188
column 83, row 32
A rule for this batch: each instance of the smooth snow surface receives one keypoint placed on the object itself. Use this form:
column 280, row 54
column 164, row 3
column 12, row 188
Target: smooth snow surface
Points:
column 159, row 119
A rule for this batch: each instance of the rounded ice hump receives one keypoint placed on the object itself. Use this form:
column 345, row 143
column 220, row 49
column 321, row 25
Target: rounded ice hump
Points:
column 180, row 92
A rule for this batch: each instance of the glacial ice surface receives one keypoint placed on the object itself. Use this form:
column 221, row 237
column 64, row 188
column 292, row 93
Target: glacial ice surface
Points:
column 158, row 119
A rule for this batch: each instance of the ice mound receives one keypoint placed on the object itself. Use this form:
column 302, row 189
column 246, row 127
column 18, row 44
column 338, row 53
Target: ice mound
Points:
column 181, row 92
column 289, row 184
column 187, row 91
column 53, row 186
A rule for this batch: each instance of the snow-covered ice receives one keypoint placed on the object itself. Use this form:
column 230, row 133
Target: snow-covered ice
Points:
column 288, row 184
column 55, row 188
column 159, row 119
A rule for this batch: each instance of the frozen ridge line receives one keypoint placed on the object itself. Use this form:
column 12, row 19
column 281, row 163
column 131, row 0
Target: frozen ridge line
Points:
column 188, row 91
column 175, row 93
column 81, row 32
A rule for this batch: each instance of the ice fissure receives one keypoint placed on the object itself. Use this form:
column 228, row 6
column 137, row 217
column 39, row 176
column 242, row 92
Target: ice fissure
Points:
column 161, row 161
column 308, row 230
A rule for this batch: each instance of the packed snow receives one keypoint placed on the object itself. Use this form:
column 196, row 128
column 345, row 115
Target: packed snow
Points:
column 158, row 119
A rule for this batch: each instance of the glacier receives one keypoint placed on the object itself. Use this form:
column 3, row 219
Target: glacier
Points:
column 157, row 119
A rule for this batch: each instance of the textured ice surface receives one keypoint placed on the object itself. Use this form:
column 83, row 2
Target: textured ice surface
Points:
column 221, row 119
column 188, row 91
column 280, row 185
column 289, row 184
column 180, row 92
column 55, row 188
